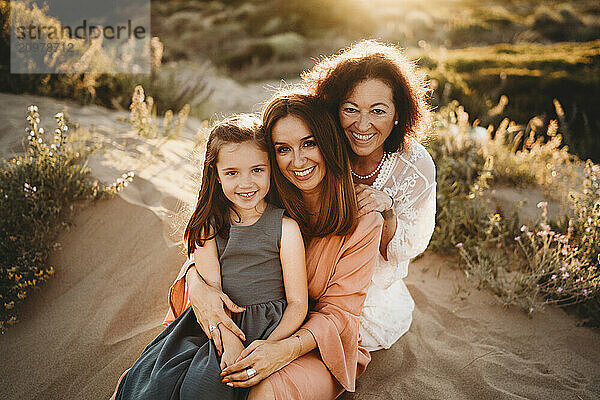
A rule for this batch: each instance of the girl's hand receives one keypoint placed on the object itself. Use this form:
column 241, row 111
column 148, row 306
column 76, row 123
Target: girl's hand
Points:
column 208, row 304
column 265, row 357
column 370, row 199
column 231, row 353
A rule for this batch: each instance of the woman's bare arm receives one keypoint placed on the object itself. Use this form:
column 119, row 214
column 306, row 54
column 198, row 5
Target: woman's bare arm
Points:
column 208, row 304
column 268, row 357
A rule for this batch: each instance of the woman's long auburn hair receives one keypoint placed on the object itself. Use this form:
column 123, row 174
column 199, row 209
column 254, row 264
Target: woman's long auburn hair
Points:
column 212, row 208
column 338, row 212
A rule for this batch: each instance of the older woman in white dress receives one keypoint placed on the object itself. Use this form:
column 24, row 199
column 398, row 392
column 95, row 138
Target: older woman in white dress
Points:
column 379, row 100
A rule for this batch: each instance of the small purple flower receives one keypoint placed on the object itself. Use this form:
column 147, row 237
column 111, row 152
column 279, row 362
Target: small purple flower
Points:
column 524, row 228
column 559, row 290
column 553, row 276
column 542, row 204
column 459, row 245
column 565, row 275
column 563, row 239
column 517, row 238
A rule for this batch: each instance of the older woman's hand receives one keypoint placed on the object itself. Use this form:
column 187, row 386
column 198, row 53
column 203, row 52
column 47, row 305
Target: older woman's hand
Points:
column 370, row 199
column 264, row 357
column 208, row 304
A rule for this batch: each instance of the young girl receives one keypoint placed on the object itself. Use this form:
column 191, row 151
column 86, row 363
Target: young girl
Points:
column 243, row 245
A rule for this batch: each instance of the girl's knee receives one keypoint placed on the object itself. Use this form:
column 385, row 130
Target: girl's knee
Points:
column 262, row 391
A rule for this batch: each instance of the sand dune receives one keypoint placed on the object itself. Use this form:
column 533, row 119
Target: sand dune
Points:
column 474, row 349
column 91, row 321
column 106, row 301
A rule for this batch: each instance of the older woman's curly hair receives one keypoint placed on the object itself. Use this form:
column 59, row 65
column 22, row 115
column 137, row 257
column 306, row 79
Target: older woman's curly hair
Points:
column 333, row 78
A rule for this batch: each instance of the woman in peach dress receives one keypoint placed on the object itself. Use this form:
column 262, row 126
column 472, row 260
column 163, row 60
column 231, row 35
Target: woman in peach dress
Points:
column 312, row 174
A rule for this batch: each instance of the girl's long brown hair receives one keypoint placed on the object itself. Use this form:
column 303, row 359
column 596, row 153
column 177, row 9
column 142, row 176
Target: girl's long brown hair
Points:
column 338, row 212
column 212, row 209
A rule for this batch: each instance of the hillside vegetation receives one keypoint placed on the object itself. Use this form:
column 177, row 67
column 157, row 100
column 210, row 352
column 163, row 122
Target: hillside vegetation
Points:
column 475, row 51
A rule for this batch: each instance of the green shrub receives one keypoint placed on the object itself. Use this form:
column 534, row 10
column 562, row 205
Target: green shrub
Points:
column 144, row 117
column 276, row 48
column 169, row 89
column 549, row 263
column 38, row 191
column 462, row 175
column 524, row 157
column 483, row 27
column 568, row 72
column 560, row 24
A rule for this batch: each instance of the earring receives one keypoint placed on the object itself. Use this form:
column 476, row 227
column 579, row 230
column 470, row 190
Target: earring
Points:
column 396, row 122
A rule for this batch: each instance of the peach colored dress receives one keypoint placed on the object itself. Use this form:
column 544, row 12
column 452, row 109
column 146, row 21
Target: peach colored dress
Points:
column 339, row 270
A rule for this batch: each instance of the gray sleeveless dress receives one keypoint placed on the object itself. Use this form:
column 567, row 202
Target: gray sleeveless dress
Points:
column 181, row 363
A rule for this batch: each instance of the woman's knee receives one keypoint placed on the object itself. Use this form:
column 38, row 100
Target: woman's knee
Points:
column 262, row 391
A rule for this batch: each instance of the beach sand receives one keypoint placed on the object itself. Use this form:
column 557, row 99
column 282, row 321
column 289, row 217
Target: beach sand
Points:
column 107, row 300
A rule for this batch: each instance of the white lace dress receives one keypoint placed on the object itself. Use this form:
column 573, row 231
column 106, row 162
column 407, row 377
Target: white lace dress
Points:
column 409, row 177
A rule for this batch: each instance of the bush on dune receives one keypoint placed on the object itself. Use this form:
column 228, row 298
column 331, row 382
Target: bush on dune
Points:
column 112, row 90
column 38, row 192
column 550, row 262
column 247, row 37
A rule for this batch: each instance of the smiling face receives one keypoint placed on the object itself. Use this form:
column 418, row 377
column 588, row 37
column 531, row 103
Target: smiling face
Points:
column 298, row 155
column 244, row 174
column 367, row 116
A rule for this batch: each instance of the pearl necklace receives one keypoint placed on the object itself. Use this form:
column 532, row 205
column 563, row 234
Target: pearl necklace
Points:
column 364, row 177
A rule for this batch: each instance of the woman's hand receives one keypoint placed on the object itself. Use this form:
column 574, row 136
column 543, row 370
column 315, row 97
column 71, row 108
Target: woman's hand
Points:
column 370, row 199
column 208, row 304
column 264, row 357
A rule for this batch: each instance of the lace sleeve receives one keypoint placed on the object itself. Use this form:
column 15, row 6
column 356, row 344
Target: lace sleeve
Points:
column 412, row 185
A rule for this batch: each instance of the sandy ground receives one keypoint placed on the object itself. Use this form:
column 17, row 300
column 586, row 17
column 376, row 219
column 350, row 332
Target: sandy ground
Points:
column 114, row 267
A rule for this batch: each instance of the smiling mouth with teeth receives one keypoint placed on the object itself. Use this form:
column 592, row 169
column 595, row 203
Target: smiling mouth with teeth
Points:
column 248, row 194
column 362, row 137
column 305, row 172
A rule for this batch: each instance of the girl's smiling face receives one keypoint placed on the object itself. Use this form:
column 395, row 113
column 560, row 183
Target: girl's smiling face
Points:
column 244, row 174
column 297, row 154
column 367, row 116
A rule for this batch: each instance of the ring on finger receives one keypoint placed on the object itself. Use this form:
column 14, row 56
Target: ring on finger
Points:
column 251, row 372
